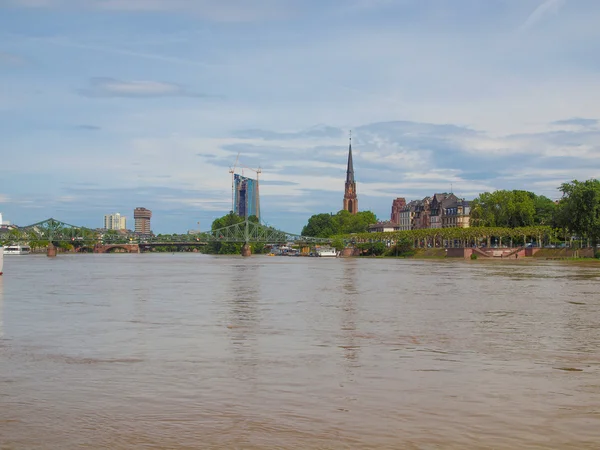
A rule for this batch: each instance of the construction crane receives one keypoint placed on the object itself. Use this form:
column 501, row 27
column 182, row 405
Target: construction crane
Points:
column 257, row 200
column 232, row 172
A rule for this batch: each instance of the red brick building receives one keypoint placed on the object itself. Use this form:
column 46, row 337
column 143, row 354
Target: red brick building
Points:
column 397, row 206
column 350, row 198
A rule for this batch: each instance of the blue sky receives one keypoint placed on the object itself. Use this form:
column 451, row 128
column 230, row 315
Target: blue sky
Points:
column 106, row 105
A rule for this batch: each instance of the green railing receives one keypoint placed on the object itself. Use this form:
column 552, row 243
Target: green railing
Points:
column 55, row 231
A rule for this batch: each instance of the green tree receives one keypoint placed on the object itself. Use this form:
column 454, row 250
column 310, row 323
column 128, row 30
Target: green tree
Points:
column 327, row 225
column 545, row 210
column 338, row 244
column 230, row 248
column 226, row 220
column 372, row 248
column 579, row 209
column 403, row 247
column 319, row 225
column 504, row 209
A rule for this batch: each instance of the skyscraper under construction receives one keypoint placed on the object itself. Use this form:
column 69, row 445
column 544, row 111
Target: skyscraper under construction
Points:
column 247, row 197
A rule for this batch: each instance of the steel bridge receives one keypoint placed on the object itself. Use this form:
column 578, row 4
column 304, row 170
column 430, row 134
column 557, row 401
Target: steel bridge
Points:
column 54, row 232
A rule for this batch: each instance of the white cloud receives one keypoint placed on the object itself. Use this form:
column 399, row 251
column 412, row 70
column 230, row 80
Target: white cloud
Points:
column 110, row 87
column 544, row 9
column 215, row 10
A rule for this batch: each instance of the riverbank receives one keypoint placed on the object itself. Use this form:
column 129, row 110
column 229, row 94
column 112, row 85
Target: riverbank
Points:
column 541, row 254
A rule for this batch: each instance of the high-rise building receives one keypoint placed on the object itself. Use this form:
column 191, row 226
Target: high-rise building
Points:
column 247, row 197
column 115, row 222
column 142, row 218
column 350, row 199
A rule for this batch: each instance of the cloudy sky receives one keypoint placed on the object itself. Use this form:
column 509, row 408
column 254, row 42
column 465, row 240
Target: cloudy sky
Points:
column 106, row 105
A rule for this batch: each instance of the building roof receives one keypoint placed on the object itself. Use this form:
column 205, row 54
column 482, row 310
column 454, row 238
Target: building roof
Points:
column 387, row 224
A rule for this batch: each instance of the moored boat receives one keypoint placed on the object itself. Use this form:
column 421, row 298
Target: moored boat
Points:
column 17, row 250
column 326, row 252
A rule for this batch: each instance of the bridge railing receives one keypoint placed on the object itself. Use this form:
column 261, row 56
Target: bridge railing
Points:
column 55, row 231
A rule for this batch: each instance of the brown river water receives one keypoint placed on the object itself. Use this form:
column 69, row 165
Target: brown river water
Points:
column 190, row 351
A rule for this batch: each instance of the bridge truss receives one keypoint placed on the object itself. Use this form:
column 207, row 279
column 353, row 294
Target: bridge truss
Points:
column 55, row 231
column 50, row 230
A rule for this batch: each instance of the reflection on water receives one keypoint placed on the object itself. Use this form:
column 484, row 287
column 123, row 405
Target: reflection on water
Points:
column 191, row 351
column 348, row 312
column 242, row 299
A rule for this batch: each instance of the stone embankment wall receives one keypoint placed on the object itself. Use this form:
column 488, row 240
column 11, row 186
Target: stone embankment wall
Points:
column 557, row 253
column 349, row 251
column 542, row 253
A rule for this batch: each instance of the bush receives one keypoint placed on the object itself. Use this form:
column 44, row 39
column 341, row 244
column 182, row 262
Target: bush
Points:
column 372, row 249
column 403, row 248
column 597, row 254
column 473, row 256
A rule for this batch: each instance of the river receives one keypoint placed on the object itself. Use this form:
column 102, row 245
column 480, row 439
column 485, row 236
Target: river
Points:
column 192, row 351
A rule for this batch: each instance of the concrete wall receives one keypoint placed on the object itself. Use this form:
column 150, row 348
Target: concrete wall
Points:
column 531, row 251
column 544, row 253
column 459, row 253
column 555, row 253
column 349, row 251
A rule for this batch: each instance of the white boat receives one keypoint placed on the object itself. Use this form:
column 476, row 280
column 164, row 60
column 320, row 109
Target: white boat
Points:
column 326, row 252
column 17, row 250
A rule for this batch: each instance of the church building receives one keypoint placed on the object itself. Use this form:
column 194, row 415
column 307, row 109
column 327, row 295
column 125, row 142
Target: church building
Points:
column 350, row 199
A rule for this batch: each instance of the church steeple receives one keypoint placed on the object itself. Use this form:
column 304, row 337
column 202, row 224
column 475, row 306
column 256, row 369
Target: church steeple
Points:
column 350, row 199
column 350, row 169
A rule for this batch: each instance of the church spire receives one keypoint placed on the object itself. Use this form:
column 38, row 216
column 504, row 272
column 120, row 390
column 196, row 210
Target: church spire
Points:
column 350, row 170
column 350, row 199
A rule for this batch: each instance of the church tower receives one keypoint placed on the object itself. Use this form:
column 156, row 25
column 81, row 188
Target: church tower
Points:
column 350, row 200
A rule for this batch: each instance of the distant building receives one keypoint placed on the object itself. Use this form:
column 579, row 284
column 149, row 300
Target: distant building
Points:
column 115, row 222
column 406, row 215
column 350, row 198
column 4, row 225
column 457, row 214
column 383, row 227
column 397, row 206
column 142, row 218
column 247, row 196
column 439, row 203
column 443, row 210
column 421, row 215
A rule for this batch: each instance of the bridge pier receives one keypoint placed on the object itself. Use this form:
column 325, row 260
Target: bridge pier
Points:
column 246, row 250
column 51, row 250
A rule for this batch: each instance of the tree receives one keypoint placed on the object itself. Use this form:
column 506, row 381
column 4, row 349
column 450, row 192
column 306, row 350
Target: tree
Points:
column 319, row 225
column 338, row 244
column 403, row 247
column 545, row 211
column 579, row 209
column 504, row 209
column 230, row 248
column 225, row 248
column 372, row 248
column 344, row 222
column 226, row 220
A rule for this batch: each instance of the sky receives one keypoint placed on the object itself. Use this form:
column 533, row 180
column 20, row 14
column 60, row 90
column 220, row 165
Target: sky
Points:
column 108, row 105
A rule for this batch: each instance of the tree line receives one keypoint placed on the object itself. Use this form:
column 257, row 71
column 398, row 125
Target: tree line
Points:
column 576, row 214
column 514, row 217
